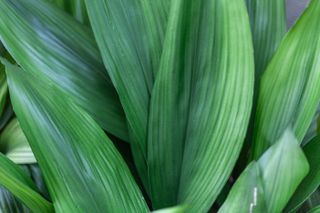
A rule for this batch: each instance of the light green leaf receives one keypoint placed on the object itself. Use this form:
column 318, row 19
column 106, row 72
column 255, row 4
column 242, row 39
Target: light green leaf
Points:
column 272, row 179
column 130, row 35
column 14, row 144
column 289, row 91
column 201, row 102
column 176, row 209
column 34, row 32
column 315, row 210
column 312, row 181
column 83, row 170
column 18, row 183
column 247, row 194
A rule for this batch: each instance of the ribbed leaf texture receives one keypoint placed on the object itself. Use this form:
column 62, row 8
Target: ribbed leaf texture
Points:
column 289, row 92
column 76, row 8
column 200, row 103
column 17, row 181
column 268, row 184
column 268, row 25
column 49, row 43
column 130, row 36
column 83, row 170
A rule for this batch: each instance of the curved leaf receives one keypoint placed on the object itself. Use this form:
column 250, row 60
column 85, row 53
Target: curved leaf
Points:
column 272, row 179
column 268, row 25
column 289, row 92
column 312, row 181
column 200, row 103
column 83, row 170
column 247, row 193
column 34, row 32
column 129, row 35
column 14, row 144
column 15, row 180
column 76, row 8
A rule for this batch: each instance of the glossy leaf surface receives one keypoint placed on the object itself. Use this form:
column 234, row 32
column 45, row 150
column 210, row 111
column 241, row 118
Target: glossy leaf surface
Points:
column 83, row 170
column 195, row 130
column 289, row 93
column 34, row 32
column 268, row 184
column 130, row 36
column 312, row 181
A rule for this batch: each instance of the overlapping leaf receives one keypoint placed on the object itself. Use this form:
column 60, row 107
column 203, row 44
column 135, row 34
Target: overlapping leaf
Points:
column 130, row 35
column 268, row 184
column 83, row 170
column 289, row 92
column 13, row 178
column 201, row 102
column 268, row 25
column 52, row 45
column 14, row 144
column 76, row 8
column 312, row 180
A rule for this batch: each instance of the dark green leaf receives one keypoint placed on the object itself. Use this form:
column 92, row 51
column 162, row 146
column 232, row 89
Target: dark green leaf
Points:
column 129, row 35
column 201, row 102
column 76, row 8
column 34, row 32
column 289, row 91
column 268, row 25
column 18, row 183
column 83, row 170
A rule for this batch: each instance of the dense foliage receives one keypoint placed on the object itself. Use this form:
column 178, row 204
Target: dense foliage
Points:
column 162, row 105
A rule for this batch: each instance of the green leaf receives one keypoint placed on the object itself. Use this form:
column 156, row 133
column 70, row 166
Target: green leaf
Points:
column 83, row 170
column 269, row 25
column 3, row 89
column 247, row 194
column 76, row 8
column 312, row 181
column 315, row 210
column 268, row 184
column 10, row 204
column 130, row 35
column 200, row 103
column 289, row 92
column 14, row 144
column 176, row 209
column 34, row 32
column 15, row 180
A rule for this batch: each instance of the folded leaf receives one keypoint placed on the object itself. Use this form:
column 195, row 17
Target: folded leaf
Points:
column 268, row 184
column 129, row 35
column 14, row 144
column 83, row 170
column 289, row 92
column 15, row 180
column 34, row 32
column 200, row 103
column 312, row 181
